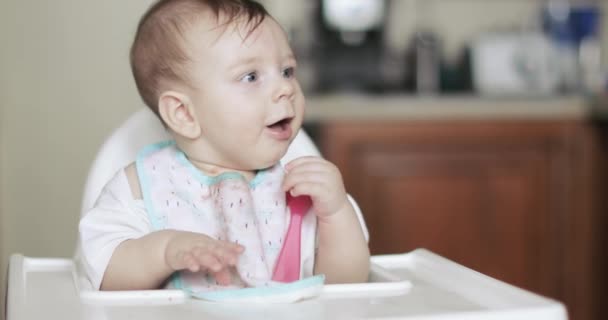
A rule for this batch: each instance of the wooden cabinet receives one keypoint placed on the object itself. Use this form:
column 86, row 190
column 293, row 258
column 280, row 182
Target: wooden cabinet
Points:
column 513, row 200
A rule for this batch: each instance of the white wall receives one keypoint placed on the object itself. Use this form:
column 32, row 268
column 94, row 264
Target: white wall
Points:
column 65, row 83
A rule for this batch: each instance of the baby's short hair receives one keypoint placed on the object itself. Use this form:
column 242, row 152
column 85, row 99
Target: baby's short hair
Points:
column 158, row 54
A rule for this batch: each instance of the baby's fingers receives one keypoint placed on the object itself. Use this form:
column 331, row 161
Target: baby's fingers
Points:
column 312, row 189
column 222, row 277
column 293, row 179
column 207, row 260
column 232, row 247
column 306, row 160
column 188, row 261
column 222, row 252
column 227, row 252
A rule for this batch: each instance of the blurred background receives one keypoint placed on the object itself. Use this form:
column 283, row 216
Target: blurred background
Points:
column 474, row 128
column 438, row 47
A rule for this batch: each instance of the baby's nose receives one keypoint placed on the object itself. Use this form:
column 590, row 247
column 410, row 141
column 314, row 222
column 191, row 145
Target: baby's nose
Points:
column 285, row 89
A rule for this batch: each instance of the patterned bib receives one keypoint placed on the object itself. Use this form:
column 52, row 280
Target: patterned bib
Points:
column 226, row 207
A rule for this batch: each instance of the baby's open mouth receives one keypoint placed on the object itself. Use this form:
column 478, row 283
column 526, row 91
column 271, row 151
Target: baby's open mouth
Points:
column 281, row 124
column 281, row 129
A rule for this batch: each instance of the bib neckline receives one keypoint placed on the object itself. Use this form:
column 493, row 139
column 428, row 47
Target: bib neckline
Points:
column 211, row 180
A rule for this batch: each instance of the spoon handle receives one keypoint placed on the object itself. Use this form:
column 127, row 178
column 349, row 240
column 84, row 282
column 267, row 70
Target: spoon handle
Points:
column 287, row 268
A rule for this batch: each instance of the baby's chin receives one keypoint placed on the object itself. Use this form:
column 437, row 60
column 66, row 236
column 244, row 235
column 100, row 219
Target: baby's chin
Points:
column 261, row 158
column 268, row 162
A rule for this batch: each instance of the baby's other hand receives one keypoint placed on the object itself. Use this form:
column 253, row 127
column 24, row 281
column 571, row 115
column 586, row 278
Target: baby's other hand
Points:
column 199, row 252
column 319, row 179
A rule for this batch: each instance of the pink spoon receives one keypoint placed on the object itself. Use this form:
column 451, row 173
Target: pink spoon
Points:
column 287, row 268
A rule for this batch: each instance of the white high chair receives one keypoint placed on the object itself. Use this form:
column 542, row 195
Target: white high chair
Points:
column 415, row 285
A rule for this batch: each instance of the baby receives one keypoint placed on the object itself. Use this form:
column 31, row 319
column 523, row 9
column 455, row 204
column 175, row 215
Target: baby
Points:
column 210, row 205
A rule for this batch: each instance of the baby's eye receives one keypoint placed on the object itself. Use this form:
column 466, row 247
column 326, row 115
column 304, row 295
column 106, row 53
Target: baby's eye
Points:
column 288, row 72
column 250, row 77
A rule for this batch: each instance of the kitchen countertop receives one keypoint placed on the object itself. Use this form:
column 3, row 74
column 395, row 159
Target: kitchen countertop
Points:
column 408, row 107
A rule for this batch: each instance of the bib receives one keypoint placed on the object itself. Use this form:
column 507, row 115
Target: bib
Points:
column 225, row 207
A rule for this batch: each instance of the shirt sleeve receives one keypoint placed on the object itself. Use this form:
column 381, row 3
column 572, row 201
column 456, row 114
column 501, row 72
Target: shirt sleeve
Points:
column 359, row 217
column 114, row 218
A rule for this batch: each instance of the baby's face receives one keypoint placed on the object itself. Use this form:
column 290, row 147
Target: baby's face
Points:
column 247, row 99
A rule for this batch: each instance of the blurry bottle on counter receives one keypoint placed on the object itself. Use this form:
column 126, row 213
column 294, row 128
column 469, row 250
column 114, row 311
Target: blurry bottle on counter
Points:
column 424, row 56
column 586, row 21
column 573, row 26
column 556, row 21
column 427, row 56
column 429, row 70
column 455, row 72
column 593, row 75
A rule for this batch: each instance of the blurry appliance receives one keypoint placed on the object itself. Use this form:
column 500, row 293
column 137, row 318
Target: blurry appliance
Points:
column 353, row 16
column 349, row 44
column 574, row 27
column 515, row 64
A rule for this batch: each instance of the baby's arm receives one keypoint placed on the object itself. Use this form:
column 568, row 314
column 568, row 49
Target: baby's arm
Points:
column 139, row 259
column 342, row 254
column 147, row 262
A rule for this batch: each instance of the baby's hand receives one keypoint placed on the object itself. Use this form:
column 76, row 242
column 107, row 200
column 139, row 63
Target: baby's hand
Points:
column 199, row 252
column 319, row 179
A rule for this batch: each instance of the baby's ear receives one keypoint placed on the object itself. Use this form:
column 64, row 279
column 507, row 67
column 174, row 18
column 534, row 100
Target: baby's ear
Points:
column 177, row 112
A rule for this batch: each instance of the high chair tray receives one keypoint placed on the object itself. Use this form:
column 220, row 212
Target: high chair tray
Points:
column 415, row 285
